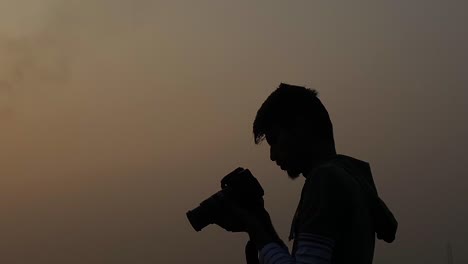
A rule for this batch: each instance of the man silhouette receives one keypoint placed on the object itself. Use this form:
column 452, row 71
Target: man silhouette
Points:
column 339, row 211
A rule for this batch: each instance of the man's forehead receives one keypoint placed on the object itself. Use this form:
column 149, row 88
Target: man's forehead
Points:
column 274, row 128
column 273, row 132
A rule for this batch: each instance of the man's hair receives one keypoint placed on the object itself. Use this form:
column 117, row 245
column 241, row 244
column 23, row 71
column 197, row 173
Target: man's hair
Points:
column 288, row 102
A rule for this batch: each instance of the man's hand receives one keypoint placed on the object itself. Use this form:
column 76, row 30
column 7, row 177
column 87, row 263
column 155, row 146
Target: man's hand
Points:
column 256, row 222
column 230, row 220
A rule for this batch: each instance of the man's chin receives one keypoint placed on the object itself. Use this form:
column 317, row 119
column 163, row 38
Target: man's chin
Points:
column 293, row 174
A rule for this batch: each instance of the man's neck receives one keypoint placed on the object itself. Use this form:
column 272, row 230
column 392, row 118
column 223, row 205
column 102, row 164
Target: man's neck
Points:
column 314, row 162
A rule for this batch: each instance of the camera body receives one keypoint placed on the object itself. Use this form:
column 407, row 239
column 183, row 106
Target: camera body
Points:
column 239, row 186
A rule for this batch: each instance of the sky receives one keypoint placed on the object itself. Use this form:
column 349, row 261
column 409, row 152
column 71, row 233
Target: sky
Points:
column 117, row 117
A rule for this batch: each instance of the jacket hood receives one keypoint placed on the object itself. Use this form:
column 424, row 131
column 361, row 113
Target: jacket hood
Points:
column 385, row 223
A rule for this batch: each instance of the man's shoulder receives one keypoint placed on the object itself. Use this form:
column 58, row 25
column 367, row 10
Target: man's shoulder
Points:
column 330, row 180
column 328, row 174
column 325, row 205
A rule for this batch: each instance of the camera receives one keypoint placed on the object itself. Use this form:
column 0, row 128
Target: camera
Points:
column 240, row 186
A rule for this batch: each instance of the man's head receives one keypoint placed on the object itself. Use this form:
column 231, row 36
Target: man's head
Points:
column 297, row 127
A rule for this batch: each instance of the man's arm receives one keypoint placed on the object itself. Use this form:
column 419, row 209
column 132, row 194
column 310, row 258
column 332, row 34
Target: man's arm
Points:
column 311, row 248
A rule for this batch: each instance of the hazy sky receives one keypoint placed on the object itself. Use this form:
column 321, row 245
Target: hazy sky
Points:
column 119, row 116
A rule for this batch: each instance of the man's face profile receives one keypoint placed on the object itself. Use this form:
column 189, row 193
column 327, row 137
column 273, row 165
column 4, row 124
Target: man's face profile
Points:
column 287, row 150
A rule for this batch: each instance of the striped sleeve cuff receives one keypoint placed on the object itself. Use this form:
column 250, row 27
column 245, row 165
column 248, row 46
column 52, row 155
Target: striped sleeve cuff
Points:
column 274, row 253
column 311, row 249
